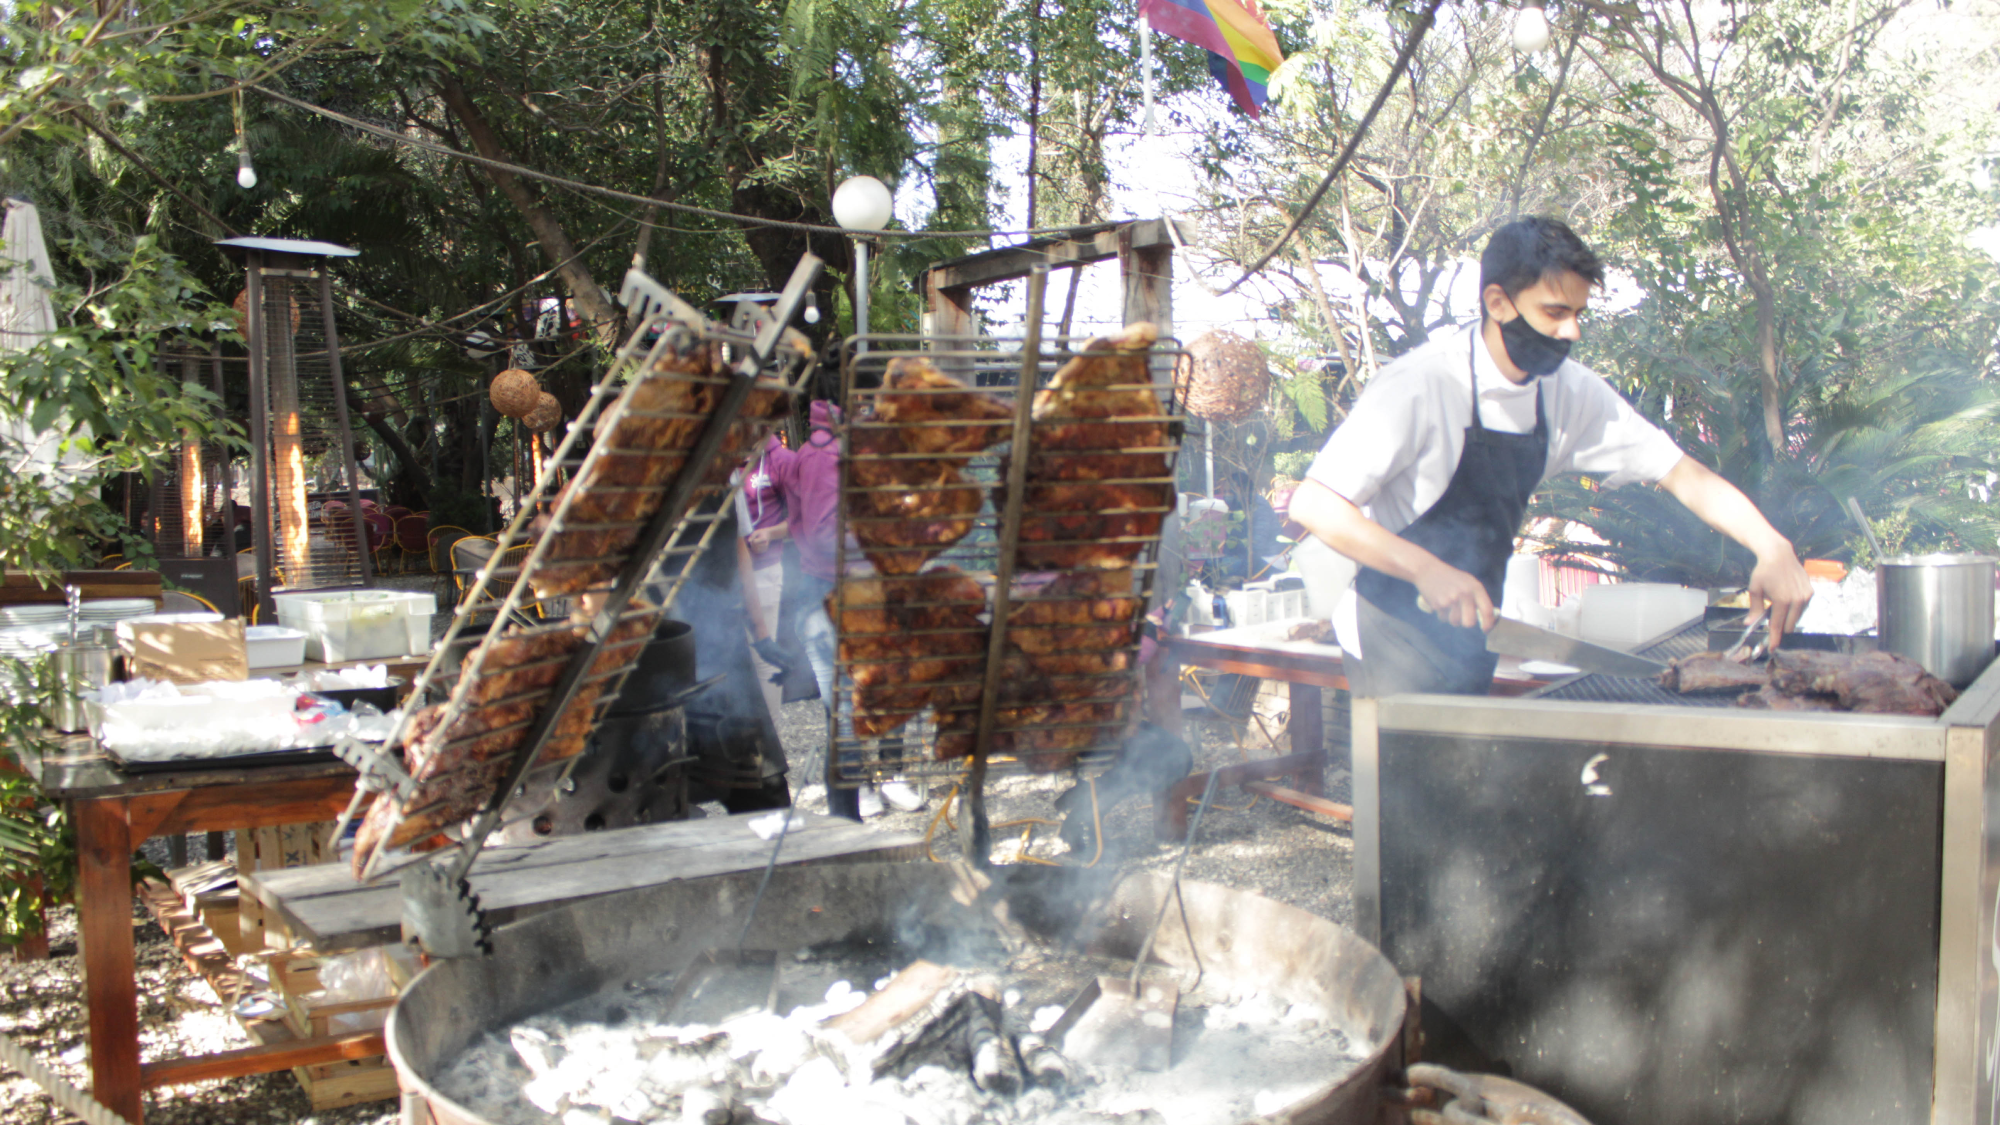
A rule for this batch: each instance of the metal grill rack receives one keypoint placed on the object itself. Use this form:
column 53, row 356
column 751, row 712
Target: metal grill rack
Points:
column 946, row 533
column 1588, row 688
column 683, row 399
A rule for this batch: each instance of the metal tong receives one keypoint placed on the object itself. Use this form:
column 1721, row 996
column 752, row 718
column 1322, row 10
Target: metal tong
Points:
column 1762, row 648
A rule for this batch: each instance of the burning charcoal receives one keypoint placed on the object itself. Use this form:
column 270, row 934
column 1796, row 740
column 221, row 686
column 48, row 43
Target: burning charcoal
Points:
column 1044, row 1065
column 996, row 1069
column 538, row 1052
column 705, row 1105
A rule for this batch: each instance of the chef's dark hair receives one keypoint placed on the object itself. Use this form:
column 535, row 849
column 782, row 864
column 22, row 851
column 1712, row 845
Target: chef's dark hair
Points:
column 1527, row 250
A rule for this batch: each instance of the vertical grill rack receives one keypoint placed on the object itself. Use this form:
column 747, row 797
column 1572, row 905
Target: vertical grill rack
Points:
column 683, row 401
column 932, row 555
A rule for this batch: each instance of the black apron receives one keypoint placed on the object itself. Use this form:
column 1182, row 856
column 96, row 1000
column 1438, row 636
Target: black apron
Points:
column 1472, row 527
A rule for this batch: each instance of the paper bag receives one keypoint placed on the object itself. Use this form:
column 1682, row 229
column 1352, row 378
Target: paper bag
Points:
column 184, row 652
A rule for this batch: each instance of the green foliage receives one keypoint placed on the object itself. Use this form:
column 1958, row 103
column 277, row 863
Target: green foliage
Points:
column 36, row 838
column 93, row 383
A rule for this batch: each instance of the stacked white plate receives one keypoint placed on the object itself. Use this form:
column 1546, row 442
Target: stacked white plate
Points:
column 24, row 641
column 28, row 630
column 45, row 615
column 106, row 611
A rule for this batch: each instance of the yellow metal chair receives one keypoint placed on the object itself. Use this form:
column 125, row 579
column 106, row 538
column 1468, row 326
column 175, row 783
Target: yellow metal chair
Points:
column 467, row 556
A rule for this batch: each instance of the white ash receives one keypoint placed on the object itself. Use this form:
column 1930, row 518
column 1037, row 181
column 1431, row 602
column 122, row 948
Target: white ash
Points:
column 618, row 1059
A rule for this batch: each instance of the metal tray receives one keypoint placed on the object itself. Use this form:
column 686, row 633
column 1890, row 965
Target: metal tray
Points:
column 310, row 755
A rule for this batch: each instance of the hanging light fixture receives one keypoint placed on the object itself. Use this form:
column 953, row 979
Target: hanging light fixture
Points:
column 1531, row 27
column 246, row 175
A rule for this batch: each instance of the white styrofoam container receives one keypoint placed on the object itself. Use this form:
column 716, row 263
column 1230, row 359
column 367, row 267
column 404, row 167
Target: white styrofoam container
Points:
column 274, row 646
column 343, row 625
column 1626, row 614
column 1246, row 607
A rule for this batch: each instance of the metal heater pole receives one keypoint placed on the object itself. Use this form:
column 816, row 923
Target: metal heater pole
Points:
column 332, row 340
column 260, row 438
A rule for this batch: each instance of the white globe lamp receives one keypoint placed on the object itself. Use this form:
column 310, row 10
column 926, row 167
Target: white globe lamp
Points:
column 862, row 204
column 1531, row 28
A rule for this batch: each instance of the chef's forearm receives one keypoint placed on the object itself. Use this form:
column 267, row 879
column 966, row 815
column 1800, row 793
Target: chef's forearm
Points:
column 1338, row 523
column 1723, row 506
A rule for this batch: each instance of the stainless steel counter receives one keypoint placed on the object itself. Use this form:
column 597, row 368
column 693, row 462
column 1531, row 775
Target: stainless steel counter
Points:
column 1666, row 914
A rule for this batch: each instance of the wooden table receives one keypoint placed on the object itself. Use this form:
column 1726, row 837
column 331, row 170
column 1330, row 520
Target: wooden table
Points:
column 114, row 812
column 1306, row 667
column 325, row 907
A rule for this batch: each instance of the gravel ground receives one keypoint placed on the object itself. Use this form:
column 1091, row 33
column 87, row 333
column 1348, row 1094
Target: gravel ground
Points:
column 1263, row 846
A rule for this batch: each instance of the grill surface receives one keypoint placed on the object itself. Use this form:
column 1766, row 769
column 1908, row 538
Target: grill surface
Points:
column 1590, row 688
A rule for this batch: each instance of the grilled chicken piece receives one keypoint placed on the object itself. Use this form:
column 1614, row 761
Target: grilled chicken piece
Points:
column 1081, row 487
column 904, row 511
column 1711, row 671
column 938, row 414
column 909, row 643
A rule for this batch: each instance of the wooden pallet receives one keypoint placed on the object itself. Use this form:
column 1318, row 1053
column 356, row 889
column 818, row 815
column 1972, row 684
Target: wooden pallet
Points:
column 294, row 977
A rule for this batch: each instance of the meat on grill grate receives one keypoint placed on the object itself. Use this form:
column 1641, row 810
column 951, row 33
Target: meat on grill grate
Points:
column 1099, row 403
column 1711, row 671
column 1879, row 683
column 907, row 509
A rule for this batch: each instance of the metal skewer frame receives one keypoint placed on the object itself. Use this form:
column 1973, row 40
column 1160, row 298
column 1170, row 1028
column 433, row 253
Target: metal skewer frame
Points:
column 673, row 533
column 979, row 705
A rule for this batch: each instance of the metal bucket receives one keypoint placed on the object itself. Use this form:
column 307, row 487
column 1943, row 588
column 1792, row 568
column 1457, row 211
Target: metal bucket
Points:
column 1938, row 611
column 601, row 943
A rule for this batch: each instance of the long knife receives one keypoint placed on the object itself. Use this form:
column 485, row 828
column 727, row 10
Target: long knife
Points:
column 1509, row 637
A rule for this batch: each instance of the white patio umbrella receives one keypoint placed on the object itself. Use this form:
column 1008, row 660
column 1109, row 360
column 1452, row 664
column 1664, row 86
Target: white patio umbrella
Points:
column 26, row 315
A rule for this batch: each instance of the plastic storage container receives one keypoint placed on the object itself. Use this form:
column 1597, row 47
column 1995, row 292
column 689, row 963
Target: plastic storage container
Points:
column 274, row 646
column 343, row 625
column 1625, row 615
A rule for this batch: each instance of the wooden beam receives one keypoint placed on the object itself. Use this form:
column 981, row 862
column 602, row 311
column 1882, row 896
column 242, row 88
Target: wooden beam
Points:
column 104, row 924
column 1306, row 801
column 265, row 1059
column 258, row 806
column 1086, row 245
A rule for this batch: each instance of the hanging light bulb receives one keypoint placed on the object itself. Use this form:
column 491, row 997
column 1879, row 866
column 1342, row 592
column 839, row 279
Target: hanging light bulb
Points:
column 1531, row 27
column 246, row 176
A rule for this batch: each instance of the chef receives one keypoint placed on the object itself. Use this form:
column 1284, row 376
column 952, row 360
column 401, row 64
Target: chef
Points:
column 1426, row 482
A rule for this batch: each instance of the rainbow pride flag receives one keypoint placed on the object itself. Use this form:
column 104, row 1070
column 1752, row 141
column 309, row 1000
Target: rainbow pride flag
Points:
column 1242, row 52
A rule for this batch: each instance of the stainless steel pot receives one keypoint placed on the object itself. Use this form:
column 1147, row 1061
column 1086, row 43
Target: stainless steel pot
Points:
column 79, row 668
column 1938, row 611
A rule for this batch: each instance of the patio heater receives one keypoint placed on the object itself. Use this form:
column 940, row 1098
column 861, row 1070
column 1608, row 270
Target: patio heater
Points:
column 302, row 449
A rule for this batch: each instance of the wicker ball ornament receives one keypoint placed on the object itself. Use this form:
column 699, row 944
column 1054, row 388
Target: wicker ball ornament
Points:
column 546, row 415
column 1223, row 377
column 515, row 393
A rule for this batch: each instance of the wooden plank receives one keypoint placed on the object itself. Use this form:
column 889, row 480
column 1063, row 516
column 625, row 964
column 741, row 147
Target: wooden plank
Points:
column 326, row 907
column 260, row 804
column 264, row 1058
column 1306, row 801
column 104, row 917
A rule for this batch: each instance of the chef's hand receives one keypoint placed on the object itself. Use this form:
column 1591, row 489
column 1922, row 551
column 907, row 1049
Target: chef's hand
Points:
column 1455, row 596
column 1781, row 583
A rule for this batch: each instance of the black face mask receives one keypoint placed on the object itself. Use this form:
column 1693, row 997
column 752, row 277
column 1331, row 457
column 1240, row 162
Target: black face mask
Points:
column 1531, row 351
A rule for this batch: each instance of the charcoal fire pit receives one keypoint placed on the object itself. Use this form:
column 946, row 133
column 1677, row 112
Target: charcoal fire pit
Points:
column 608, row 954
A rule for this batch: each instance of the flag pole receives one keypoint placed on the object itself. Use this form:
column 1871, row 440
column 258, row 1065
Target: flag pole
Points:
column 1146, row 69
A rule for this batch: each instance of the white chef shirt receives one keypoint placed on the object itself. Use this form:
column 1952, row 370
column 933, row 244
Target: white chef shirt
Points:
column 1399, row 447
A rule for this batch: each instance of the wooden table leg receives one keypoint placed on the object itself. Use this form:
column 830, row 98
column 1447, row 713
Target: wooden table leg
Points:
column 104, row 916
column 1308, row 727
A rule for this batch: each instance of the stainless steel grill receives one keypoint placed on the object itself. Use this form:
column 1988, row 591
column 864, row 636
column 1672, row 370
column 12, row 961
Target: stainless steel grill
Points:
column 1687, row 641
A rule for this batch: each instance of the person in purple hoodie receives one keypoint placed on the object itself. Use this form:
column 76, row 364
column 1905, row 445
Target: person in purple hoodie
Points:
column 808, row 480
